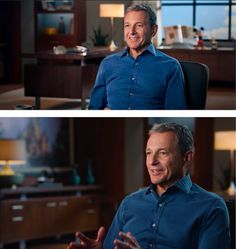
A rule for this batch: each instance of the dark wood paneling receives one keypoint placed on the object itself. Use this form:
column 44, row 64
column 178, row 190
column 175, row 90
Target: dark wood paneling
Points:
column 203, row 159
column 62, row 81
column 10, row 35
column 102, row 141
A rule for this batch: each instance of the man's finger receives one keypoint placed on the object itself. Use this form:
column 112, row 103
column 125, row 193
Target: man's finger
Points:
column 82, row 237
column 129, row 238
column 101, row 234
column 74, row 245
column 122, row 244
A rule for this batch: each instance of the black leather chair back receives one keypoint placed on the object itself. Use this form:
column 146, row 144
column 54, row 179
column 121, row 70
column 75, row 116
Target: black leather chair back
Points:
column 196, row 84
column 231, row 208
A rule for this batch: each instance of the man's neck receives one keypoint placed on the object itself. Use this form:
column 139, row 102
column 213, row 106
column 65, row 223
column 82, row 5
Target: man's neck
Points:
column 162, row 188
column 136, row 52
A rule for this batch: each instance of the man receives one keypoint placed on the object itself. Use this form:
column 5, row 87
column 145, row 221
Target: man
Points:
column 171, row 213
column 140, row 77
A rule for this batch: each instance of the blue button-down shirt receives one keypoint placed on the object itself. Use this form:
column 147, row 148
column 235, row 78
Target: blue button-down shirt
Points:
column 152, row 81
column 184, row 217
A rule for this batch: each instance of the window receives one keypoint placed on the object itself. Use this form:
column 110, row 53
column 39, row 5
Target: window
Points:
column 214, row 27
column 217, row 17
column 174, row 15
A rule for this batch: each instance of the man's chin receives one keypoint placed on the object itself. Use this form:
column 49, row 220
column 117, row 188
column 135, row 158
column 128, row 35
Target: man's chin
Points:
column 132, row 46
column 156, row 181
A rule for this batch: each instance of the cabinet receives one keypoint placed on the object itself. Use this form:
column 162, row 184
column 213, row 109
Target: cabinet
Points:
column 59, row 23
column 47, row 213
column 221, row 62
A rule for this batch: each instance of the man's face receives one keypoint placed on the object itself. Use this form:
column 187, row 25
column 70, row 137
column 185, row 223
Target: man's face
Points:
column 164, row 162
column 137, row 30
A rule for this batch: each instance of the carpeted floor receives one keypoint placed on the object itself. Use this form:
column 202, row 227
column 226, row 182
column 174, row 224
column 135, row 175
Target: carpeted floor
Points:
column 221, row 99
column 9, row 100
column 217, row 99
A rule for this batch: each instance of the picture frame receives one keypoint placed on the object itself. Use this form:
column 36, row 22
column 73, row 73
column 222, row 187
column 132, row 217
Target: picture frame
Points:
column 47, row 141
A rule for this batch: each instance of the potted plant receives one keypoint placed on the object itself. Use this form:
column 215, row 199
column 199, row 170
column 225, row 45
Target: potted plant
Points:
column 99, row 39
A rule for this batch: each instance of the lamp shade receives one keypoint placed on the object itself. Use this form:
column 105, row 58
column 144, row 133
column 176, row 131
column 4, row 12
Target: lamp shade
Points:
column 112, row 10
column 13, row 150
column 225, row 140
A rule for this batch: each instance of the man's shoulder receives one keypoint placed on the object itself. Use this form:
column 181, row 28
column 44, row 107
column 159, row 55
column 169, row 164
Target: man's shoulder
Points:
column 137, row 194
column 165, row 57
column 113, row 56
column 205, row 194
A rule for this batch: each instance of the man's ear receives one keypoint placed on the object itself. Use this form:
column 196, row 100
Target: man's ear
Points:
column 154, row 30
column 188, row 158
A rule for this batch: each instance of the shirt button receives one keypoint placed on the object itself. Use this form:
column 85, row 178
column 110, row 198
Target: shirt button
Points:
column 150, row 245
column 131, row 94
column 136, row 64
column 129, row 108
column 153, row 225
column 161, row 204
column 133, row 78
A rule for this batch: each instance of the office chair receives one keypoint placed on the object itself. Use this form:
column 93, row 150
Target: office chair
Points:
column 231, row 208
column 196, row 84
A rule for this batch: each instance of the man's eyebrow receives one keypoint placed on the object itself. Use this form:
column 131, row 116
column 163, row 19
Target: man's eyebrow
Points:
column 135, row 22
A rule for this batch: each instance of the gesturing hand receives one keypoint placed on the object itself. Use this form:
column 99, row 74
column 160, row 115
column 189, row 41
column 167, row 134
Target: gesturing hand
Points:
column 87, row 243
column 128, row 242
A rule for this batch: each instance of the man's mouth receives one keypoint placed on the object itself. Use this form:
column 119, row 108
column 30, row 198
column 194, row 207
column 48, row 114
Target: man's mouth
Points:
column 156, row 172
column 133, row 38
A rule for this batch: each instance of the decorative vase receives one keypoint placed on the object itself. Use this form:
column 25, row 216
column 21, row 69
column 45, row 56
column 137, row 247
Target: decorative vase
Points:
column 90, row 176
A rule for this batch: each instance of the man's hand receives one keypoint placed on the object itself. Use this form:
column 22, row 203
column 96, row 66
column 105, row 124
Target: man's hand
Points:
column 128, row 242
column 87, row 243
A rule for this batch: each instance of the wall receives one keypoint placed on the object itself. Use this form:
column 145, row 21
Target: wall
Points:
column 27, row 26
column 221, row 159
column 93, row 21
column 134, row 154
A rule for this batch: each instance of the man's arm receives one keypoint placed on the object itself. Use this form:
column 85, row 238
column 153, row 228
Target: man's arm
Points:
column 175, row 98
column 215, row 232
column 98, row 98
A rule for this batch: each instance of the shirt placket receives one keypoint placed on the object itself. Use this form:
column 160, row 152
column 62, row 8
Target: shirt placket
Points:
column 133, row 84
column 159, row 207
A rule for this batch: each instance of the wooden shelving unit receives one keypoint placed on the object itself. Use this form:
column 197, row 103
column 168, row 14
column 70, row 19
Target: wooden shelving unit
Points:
column 47, row 19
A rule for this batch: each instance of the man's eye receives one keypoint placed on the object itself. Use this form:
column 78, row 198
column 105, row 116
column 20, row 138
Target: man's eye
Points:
column 139, row 25
column 126, row 25
column 148, row 153
column 163, row 153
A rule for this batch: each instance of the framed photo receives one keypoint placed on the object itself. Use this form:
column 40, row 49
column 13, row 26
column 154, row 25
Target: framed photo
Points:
column 47, row 139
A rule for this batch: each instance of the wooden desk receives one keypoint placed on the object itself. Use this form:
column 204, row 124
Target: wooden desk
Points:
column 70, row 75
column 221, row 62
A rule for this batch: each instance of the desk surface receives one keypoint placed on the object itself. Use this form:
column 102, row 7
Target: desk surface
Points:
column 103, row 52
column 49, row 55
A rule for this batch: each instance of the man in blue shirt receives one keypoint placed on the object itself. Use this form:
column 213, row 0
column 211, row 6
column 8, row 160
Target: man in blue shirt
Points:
column 140, row 77
column 173, row 212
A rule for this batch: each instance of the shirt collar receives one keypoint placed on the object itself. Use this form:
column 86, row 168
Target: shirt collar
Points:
column 151, row 49
column 183, row 184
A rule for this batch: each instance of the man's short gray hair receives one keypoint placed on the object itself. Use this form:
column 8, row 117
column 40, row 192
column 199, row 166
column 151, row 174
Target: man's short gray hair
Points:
column 144, row 7
column 184, row 136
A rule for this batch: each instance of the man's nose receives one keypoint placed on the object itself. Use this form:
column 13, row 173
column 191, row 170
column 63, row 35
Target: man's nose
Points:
column 155, row 160
column 133, row 29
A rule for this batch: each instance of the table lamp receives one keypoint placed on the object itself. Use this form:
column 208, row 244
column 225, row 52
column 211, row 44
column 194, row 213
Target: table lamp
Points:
column 12, row 152
column 111, row 11
column 226, row 140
